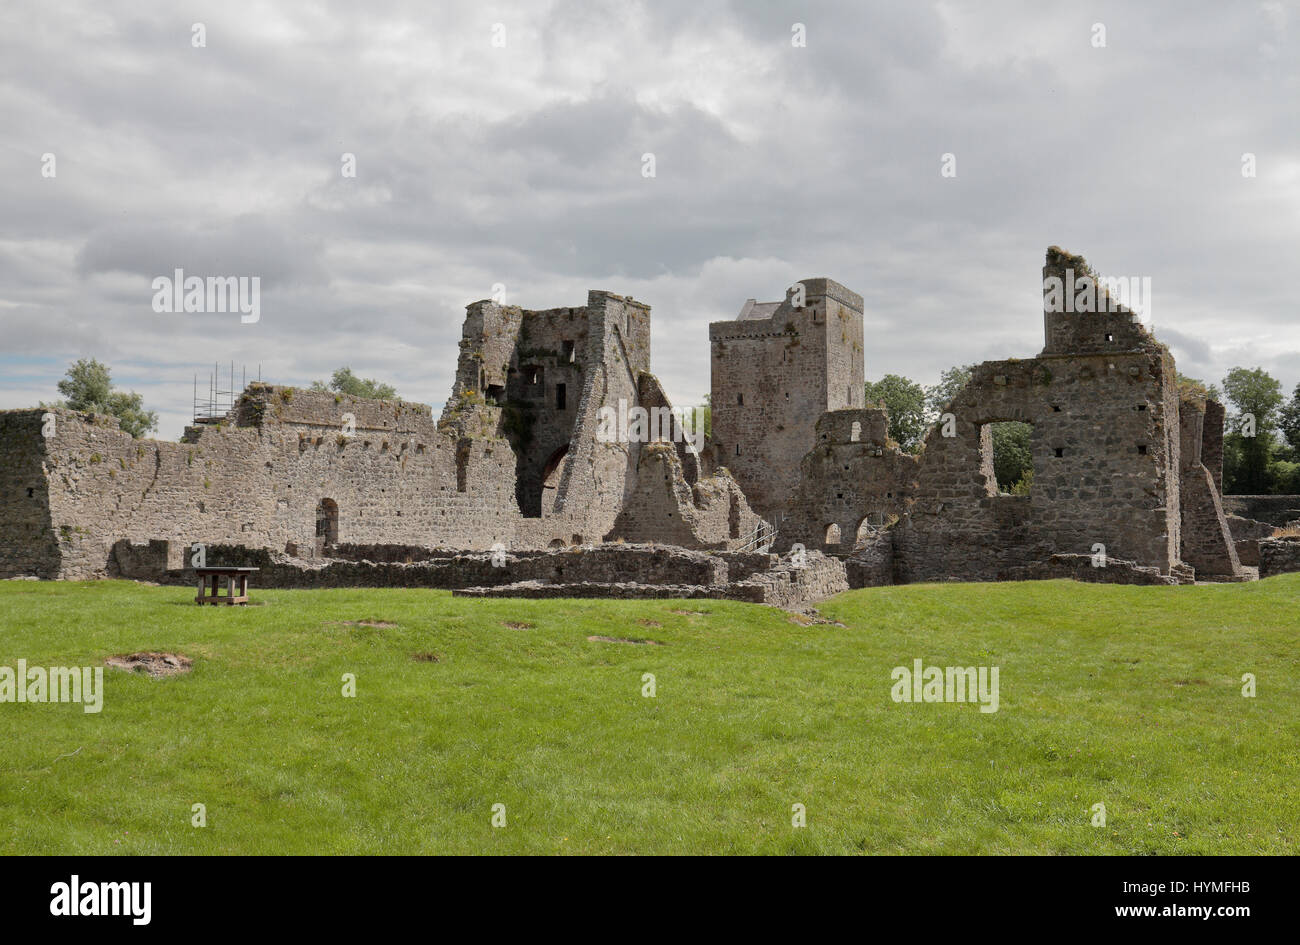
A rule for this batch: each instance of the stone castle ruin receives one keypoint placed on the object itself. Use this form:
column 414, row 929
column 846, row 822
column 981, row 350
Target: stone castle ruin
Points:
column 516, row 489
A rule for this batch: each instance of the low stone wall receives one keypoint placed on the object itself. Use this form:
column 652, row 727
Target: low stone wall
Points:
column 1274, row 509
column 1080, row 568
column 1278, row 556
column 622, row 570
column 782, row 585
column 1246, row 534
column 873, row 564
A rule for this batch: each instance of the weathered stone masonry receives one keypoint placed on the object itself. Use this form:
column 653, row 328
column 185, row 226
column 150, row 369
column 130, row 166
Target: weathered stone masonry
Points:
column 287, row 472
column 1118, row 466
column 1121, row 464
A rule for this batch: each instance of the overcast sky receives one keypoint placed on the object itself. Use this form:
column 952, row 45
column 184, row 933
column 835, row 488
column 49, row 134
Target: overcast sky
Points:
column 522, row 164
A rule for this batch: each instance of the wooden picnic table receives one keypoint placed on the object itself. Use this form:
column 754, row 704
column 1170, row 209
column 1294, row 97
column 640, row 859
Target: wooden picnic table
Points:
column 231, row 575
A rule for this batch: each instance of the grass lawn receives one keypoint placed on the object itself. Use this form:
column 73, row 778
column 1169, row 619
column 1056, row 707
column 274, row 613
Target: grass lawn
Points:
column 1126, row 696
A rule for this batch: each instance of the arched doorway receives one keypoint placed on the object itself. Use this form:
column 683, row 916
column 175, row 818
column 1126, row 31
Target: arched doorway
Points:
column 327, row 524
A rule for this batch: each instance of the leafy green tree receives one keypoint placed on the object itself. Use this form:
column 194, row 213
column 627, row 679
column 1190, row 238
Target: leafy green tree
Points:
column 1288, row 421
column 1013, row 461
column 904, row 400
column 705, row 413
column 344, row 381
column 951, row 381
column 1256, row 398
column 88, row 387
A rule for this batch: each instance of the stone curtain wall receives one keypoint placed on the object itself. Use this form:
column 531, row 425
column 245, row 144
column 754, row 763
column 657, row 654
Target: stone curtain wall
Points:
column 394, row 480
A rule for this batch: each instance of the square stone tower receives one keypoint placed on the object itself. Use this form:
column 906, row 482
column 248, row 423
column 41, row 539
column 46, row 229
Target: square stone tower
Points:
column 776, row 368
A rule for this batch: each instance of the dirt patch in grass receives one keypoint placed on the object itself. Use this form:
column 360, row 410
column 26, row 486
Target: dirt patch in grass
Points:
column 600, row 639
column 377, row 624
column 517, row 625
column 647, row 622
column 426, row 657
column 156, row 665
column 691, row 613
column 811, row 618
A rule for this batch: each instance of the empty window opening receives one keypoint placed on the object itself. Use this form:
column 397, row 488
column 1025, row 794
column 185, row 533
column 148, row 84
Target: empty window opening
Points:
column 1060, row 451
column 561, row 396
column 1142, row 406
column 737, row 449
column 832, row 535
column 1142, row 449
column 855, row 432
column 462, row 467
column 1109, row 336
column 570, row 352
column 31, row 493
column 1056, row 408
column 740, row 400
column 496, row 394
column 1006, row 457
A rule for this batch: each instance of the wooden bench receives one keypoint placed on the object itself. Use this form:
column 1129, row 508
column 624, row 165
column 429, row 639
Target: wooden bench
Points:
column 231, row 575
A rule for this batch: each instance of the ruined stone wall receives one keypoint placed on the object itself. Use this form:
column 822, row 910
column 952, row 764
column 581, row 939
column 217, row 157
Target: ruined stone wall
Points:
column 1207, row 543
column 1277, row 510
column 597, row 475
column 1212, row 443
column 397, row 478
column 29, row 541
column 1105, row 457
column 550, row 371
column 853, row 482
column 664, row 508
column 772, row 378
column 1278, row 556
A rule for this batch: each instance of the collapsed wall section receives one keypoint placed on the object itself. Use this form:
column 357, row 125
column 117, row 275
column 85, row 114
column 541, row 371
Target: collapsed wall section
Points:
column 853, row 483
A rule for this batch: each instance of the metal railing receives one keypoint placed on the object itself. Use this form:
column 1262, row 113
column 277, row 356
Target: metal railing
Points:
column 760, row 538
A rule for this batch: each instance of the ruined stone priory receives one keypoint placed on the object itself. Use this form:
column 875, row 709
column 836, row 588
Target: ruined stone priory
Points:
column 520, row 488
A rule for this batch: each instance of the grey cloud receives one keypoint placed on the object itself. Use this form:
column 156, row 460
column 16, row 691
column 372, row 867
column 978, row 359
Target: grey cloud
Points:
column 522, row 165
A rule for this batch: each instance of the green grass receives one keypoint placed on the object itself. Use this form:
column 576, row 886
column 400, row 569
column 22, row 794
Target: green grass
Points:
column 1127, row 696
